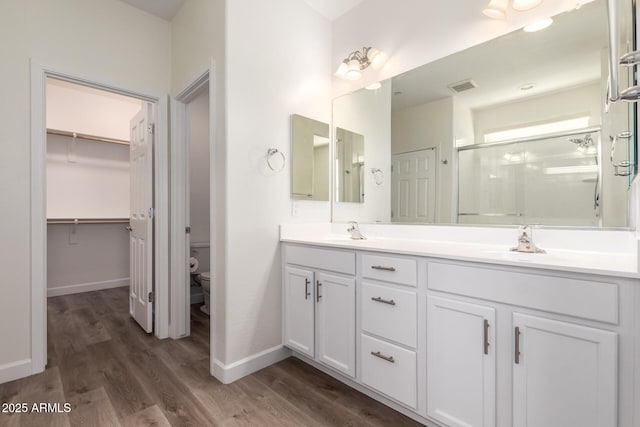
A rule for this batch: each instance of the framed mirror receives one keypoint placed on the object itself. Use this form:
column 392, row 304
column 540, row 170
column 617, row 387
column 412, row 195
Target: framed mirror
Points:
column 512, row 131
column 309, row 159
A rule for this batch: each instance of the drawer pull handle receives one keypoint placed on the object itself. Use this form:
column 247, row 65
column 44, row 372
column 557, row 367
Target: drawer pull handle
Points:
column 486, row 336
column 318, row 296
column 306, row 288
column 384, row 301
column 379, row 267
column 517, row 346
column 383, row 357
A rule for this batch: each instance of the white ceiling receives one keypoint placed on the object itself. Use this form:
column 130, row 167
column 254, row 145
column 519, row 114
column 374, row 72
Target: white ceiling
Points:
column 333, row 9
column 167, row 9
column 567, row 54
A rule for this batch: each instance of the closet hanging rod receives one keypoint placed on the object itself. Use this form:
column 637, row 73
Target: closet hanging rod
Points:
column 85, row 136
column 87, row 221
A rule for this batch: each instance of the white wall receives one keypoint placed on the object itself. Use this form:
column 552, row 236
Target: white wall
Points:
column 415, row 32
column 198, row 111
column 288, row 71
column 86, row 257
column 82, row 109
column 368, row 113
column 95, row 38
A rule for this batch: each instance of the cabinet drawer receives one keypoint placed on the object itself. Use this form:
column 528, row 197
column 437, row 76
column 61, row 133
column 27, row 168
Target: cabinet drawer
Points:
column 573, row 297
column 389, row 369
column 390, row 269
column 390, row 313
column 323, row 259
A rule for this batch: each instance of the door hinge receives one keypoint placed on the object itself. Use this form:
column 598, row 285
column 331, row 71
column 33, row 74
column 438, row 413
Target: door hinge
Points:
column 152, row 213
column 188, row 230
column 150, row 129
column 150, row 296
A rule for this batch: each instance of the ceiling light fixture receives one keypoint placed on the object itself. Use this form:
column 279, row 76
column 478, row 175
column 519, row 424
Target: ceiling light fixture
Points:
column 521, row 5
column 374, row 86
column 352, row 66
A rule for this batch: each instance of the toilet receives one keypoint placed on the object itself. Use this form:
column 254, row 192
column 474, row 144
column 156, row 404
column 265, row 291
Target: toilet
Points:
column 205, row 280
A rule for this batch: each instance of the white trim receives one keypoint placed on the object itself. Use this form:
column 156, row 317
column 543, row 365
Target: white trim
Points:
column 227, row 374
column 87, row 287
column 180, row 246
column 38, row 226
column 15, row 370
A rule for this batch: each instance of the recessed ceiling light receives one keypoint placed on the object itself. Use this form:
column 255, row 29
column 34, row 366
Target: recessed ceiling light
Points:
column 537, row 26
column 374, row 86
column 527, row 86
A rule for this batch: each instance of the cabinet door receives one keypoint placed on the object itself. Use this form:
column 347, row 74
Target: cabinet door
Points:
column 563, row 374
column 298, row 310
column 336, row 307
column 461, row 363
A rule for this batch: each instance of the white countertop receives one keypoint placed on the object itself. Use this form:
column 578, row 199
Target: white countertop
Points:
column 621, row 263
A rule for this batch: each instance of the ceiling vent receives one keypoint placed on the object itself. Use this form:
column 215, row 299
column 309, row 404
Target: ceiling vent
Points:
column 463, row 85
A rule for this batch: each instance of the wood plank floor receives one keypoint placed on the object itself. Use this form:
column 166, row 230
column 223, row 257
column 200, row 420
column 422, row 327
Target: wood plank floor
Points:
column 113, row 374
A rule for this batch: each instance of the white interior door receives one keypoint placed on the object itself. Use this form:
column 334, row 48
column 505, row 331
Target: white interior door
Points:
column 413, row 186
column 141, row 217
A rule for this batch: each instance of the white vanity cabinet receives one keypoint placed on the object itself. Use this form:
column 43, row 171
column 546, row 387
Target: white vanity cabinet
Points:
column 389, row 326
column 319, row 305
column 563, row 374
column 461, row 363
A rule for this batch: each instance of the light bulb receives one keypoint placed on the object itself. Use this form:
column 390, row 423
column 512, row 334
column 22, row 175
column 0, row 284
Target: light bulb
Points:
column 375, row 57
column 342, row 70
column 521, row 5
column 497, row 9
column 353, row 71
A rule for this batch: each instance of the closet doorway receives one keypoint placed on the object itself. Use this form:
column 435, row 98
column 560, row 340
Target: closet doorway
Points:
column 100, row 194
column 96, row 153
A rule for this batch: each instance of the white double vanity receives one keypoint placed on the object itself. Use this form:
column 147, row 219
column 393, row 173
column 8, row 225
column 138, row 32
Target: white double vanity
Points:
column 453, row 331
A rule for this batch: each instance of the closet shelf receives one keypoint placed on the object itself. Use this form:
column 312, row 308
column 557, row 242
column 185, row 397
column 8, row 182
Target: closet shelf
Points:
column 86, row 136
column 87, row 221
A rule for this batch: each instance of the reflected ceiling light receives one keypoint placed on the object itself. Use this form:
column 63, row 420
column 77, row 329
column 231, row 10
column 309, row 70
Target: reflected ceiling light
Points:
column 537, row 26
column 351, row 67
column 521, row 5
column 374, row 86
column 497, row 9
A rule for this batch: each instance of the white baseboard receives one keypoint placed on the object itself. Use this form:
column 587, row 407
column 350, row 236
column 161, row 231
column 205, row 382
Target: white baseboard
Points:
column 227, row 374
column 87, row 287
column 15, row 370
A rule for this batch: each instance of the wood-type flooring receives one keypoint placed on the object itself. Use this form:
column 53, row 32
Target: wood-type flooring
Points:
column 111, row 373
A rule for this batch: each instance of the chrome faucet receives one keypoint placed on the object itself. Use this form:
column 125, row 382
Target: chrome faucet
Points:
column 355, row 231
column 525, row 242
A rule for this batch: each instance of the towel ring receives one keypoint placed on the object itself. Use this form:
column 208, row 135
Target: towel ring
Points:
column 272, row 152
column 378, row 176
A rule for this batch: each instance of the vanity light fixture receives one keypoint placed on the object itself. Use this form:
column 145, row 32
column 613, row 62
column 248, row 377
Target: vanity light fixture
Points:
column 497, row 9
column 351, row 67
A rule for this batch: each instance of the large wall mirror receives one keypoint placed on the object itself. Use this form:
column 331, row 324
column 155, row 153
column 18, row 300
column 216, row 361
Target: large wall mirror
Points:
column 309, row 159
column 512, row 131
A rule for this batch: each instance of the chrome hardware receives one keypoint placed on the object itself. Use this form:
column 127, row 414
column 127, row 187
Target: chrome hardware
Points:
column 623, row 164
column 306, row 288
column 486, row 336
column 318, row 296
column 384, row 301
column 129, row 228
column 614, row 140
column 516, row 356
column 379, row 267
column 525, row 242
column 355, row 231
column 381, row 356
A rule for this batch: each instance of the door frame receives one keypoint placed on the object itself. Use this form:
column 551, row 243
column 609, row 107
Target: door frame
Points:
column 38, row 217
column 180, row 252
